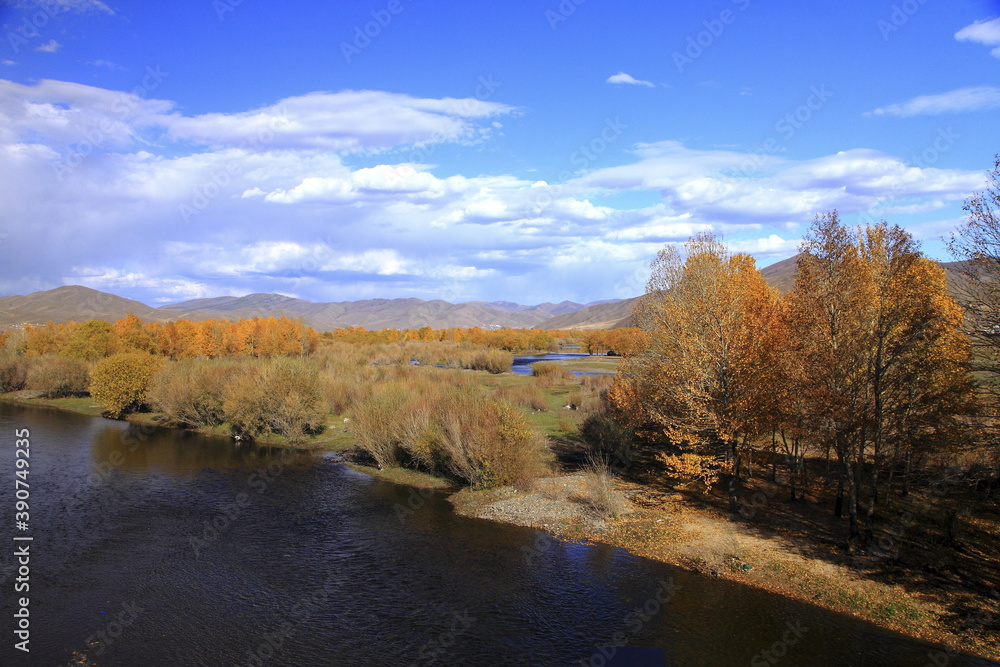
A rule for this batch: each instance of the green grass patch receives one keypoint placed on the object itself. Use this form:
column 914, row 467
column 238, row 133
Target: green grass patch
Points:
column 594, row 364
column 84, row 405
column 406, row 476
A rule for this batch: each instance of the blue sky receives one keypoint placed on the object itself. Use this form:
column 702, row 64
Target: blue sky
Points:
column 527, row 151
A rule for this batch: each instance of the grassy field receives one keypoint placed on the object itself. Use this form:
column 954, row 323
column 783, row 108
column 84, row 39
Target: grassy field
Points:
column 593, row 364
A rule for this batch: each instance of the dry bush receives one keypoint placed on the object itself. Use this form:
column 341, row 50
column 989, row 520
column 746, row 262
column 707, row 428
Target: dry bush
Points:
column 549, row 373
column 119, row 382
column 279, row 395
column 527, row 395
column 593, row 392
column 446, row 423
column 190, row 391
column 55, row 377
column 375, row 422
column 342, row 392
column 608, row 438
column 494, row 361
column 489, row 443
column 600, row 485
column 13, row 371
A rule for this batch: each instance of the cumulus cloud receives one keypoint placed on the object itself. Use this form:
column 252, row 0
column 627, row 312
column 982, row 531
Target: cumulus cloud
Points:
column 50, row 46
column 977, row 98
column 986, row 33
column 629, row 80
column 192, row 211
column 347, row 121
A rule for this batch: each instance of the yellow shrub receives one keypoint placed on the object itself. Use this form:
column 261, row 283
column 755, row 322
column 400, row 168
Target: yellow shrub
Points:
column 119, row 382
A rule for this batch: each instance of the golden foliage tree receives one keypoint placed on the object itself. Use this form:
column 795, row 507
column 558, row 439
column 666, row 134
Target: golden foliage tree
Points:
column 878, row 338
column 701, row 381
column 90, row 341
column 119, row 382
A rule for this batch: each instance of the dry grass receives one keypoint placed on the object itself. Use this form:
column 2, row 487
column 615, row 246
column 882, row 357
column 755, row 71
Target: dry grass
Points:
column 53, row 376
column 448, row 424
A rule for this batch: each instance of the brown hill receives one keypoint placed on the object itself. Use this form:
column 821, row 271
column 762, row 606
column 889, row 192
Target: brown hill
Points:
column 781, row 275
column 599, row 316
column 71, row 303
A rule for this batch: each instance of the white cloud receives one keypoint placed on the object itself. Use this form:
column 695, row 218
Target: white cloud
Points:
column 975, row 98
column 295, row 217
column 982, row 32
column 628, row 79
column 105, row 63
column 66, row 5
column 50, row 46
column 985, row 32
column 7, row 62
column 348, row 121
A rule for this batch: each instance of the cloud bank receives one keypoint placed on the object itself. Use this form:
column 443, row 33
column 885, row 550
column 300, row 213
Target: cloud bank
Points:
column 327, row 196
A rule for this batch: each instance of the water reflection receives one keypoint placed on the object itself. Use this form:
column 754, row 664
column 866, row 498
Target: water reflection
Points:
column 314, row 565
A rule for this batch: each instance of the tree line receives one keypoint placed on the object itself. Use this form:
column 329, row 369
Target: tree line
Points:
column 865, row 361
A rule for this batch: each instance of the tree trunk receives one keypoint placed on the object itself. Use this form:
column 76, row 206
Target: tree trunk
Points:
column 852, row 502
column 906, row 474
column 838, row 510
column 734, row 481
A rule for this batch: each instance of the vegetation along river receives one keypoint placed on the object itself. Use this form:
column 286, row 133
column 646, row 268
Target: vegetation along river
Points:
column 170, row 548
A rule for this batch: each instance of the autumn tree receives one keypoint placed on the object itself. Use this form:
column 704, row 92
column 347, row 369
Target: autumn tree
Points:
column 977, row 245
column 701, row 379
column 133, row 335
column 90, row 341
column 49, row 338
column 119, row 383
column 878, row 341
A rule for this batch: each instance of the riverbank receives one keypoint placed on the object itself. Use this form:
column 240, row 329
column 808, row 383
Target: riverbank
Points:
column 687, row 532
column 780, row 553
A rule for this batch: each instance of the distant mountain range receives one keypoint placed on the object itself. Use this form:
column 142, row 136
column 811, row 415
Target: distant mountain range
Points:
column 75, row 303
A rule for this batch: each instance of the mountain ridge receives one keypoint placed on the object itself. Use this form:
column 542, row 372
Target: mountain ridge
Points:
column 78, row 303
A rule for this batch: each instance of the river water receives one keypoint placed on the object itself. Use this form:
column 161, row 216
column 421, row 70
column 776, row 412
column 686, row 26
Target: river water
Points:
column 522, row 364
column 167, row 548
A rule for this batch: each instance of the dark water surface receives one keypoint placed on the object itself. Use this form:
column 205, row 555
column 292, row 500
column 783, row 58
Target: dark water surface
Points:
column 310, row 563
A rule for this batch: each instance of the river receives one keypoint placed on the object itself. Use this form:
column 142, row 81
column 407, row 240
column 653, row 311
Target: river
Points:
column 522, row 364
column 168, row 548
